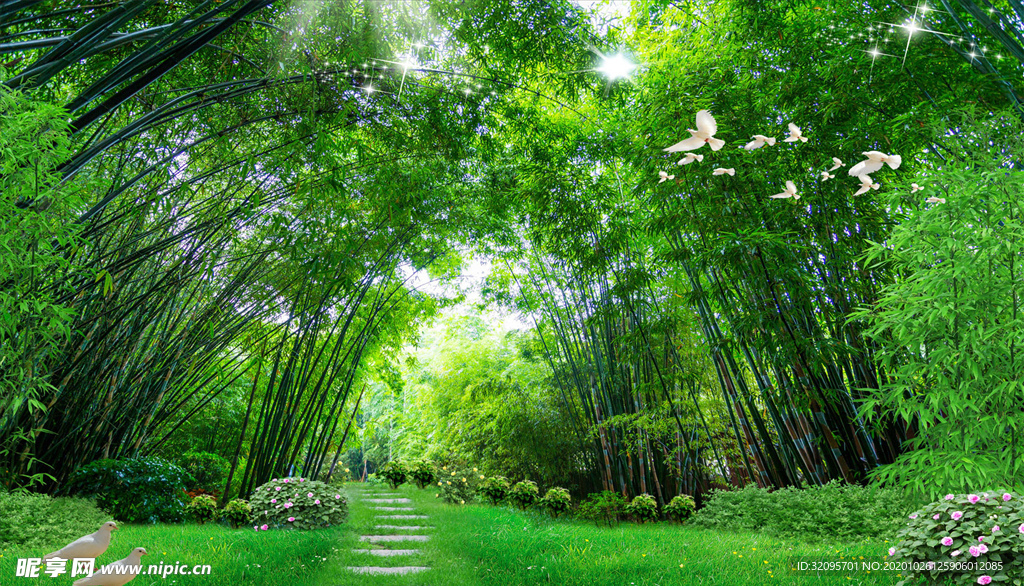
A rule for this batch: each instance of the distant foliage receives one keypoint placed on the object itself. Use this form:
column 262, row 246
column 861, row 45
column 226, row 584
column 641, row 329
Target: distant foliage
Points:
column 605, row 506
column 524, row 493
column 202, row 508
column 832, row 511
column 983, row 528
column 421, row 472
column 297, row 503
column 556, row 501
column 141, row 490
column 208, row 470
column 238, row 513
column 643, row 508
column 31, row 521
column 458, row 484
column 680, row 508
column 495, row 489
column 394, row 472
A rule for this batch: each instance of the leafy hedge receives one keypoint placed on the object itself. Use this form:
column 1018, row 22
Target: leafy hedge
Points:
column 31, row 521
column 140, row 490
column 833, row 511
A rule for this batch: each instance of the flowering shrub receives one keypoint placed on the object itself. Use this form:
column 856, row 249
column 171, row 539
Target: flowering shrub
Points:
column 680, row 508
column 393, row 472
column 986, row 528
column 643, row 508
column 495, row 489
column 606, row 505
column 457, row 484
column 524, row 494
column 298, row 503
column 421, row 472
column 237, row 513
column 557, row 500
column 202, row 508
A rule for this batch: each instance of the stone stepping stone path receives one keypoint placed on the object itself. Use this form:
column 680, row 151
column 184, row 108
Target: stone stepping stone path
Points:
column 391, row 570
column 388, row 552
column 382, row 502
column 403, row 527
column 401, row 516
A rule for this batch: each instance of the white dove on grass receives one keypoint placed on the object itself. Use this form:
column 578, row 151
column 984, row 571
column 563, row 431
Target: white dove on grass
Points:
column 874, row 162
column 935, row 200
column 90, row 546
column 759, row 141
column 116, row 573
column 664, row 176
column 794, row 134
column 825, row 176
column 689, row 158
column 705, row 134
column 723, row 171
column 866, row 183
column 789, row 192
column 836, row 163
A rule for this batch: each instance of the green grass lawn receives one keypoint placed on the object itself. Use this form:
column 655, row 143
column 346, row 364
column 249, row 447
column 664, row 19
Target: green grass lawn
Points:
column 475, row 545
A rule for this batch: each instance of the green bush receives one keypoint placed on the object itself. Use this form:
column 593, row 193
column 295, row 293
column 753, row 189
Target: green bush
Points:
column 209, row 471
column 237, row 513
column 985, row 529
column 643, row 508
column 606, row 505
column 203, row 508
column 373, row 480
column 297, row 503
column 33, row 521
column 523, row 494
column 394, row 472
column 556, row 501
column 832, row 511
column 495, row 489
column 680, row 508
column 421, row 472
column 141, row 490
column 457, row 484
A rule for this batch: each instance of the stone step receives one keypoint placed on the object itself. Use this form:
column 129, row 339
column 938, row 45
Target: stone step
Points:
column 388, row 552
column 381, row 538
column 390, row 501
column 403, row 527
column 394, row 570
column 393, row 508
column 401, row 517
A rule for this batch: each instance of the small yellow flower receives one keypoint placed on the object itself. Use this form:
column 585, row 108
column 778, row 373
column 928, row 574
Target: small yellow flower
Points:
column 439, row 484
column 449, row 483
column 474, row 470
column 463, row 479
column 453, row 473
column 481, row 477
column 463, row 502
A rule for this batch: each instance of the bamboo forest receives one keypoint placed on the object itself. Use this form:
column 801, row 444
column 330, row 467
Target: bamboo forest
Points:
column 511, row 292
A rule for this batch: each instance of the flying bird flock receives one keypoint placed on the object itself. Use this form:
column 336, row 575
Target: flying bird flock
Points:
column 705, row 135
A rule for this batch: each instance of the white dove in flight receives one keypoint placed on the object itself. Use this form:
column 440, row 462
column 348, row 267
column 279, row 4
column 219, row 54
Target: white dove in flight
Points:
column 874, row 162
column 789, row 192
column 794, row 134
column 915, row 187
column 759, row 141
column 866, row 183
column 664, row 176
column 705, row 134
column 689, row 158
column 112, row 574
column 836, row 163
column 90, row 546
column 723, row 171
column 935, row 200
column 825, row 176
